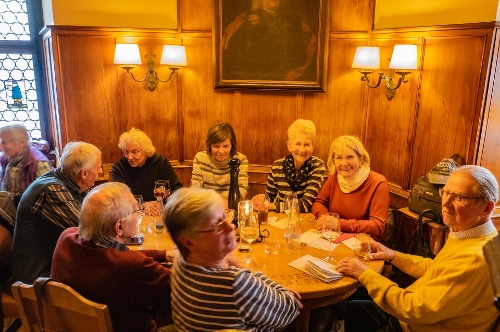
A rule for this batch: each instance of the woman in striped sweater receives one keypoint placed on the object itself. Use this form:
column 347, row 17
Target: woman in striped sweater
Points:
column 209, row 292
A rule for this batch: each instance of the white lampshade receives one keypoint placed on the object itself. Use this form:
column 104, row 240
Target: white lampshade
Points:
column 127, row 54
column 404, row 57
column 367, row 57
column 173, row 55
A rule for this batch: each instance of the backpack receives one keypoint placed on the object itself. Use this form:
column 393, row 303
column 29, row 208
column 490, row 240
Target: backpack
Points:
column 424, row 196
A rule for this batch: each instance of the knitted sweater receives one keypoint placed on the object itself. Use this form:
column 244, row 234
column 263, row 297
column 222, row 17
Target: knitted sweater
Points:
column 452, row 293
column 362, row 211
column 215, row 174
column 277, row 184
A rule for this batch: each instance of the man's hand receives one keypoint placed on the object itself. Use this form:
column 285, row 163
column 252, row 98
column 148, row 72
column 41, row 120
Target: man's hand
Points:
column 379, row 251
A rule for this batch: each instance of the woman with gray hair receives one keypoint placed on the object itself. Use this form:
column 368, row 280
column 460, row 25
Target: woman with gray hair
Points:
column 208, row 292
column 20, row 162
column 141, row 166
column 359, row 195
column 93, row 260
column 300, row 172
column 211, row 167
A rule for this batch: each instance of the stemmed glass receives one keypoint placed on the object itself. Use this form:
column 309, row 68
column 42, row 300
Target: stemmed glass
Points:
column 159, row 193
column 249, row 227
column 331, row 231
column 139, row 200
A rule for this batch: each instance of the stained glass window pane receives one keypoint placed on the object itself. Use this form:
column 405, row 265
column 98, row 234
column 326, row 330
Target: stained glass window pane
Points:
column 14, row 20
column 18, row 99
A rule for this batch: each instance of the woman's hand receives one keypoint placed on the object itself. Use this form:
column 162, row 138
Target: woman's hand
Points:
column 379, row 251
column 297, row 298
column 351, row 267
column 322, row 220
column 151, row 208
column 258, row 201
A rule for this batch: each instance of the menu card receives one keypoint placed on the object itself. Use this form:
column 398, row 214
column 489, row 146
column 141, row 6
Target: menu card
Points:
column 317, row 268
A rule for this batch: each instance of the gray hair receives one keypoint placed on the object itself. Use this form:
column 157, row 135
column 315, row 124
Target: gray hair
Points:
column 137, row 136
column 219, row 133
column 15, row 131
column 486, row 184
column 351, row 142
column 77, row 156
column 185, row 209
column 101, row 208
column 302, row 127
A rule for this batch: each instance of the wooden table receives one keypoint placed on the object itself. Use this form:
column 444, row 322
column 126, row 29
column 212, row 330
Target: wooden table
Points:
column 314, row 292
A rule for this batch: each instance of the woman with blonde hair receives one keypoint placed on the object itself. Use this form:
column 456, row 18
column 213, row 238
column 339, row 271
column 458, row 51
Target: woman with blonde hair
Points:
column 359, row 195
column 300, row 172
column 141, row 166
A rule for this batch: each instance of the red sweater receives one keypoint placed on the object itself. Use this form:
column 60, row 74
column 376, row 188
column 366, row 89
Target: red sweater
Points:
column 361, row 211
column 129, row 282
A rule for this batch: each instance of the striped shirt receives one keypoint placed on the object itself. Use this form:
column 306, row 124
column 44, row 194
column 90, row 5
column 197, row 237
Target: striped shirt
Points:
column 278, row 186
column 209, row 299
column 215, row 175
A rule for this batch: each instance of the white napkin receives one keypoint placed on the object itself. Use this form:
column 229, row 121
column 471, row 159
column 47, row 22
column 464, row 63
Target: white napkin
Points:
column 350, row 242
column 322, row 244
column 310, row 236
column 316, row 268
column 277, row 223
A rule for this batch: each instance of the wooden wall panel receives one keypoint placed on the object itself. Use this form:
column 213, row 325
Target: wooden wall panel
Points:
column 353, row 15
column 451, row 76
column 340, row 110
column 196, row 15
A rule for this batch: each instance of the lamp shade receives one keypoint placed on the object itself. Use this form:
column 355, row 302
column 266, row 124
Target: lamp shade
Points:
column 173, row 55
column 404, row 57
column 127, row 54
column 367, row 57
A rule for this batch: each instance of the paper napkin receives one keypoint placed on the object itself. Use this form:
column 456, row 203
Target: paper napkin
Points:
column 310, row 236
column 316, row 268
column 322, row 244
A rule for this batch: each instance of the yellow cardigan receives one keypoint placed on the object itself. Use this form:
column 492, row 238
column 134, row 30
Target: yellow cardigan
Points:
column 452, row 293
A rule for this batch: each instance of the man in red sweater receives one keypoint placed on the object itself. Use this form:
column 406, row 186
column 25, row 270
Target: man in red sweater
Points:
column 93, row 260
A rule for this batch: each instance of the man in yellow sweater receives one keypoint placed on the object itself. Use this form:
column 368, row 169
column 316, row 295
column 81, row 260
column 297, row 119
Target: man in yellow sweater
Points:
column 453, row 291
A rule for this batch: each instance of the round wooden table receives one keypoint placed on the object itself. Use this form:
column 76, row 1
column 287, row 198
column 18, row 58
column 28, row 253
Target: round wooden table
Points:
column 313, row 291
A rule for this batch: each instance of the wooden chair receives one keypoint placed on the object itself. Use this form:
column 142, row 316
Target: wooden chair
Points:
column 52, row 306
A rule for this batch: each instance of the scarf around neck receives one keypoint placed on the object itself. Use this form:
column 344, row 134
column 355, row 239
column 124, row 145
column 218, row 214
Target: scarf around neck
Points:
column 293, row 177
column 349, row 185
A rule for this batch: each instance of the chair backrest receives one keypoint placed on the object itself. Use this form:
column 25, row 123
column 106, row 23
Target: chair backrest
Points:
column 63, row 309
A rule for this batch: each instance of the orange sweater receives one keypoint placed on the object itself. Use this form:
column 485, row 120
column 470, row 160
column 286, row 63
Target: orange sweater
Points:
column 361, row 211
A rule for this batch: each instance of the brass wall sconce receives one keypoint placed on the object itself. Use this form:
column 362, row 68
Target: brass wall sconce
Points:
column 127, row 55
column 404, row 59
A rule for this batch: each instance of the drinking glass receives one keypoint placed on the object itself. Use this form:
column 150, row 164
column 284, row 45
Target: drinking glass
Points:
column 139, row 200
column 263, row 211
column 362, row 247
column 159, row 193
column 288, row 202
column 249, row 227
column 331, row 231
column 272, row 245
column 166, row 192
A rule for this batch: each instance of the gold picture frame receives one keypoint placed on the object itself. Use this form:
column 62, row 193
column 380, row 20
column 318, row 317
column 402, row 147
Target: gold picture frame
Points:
column 270, row 44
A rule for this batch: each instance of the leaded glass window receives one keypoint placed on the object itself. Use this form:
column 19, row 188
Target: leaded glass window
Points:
column 19, row 100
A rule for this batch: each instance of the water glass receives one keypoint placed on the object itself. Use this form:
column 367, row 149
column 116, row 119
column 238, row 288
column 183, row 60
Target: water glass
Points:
column 159, row 225
column 272, row 245
column 362, row 247
column 292, row 231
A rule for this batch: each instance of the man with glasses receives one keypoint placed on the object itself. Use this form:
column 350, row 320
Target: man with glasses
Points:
column 93, row 260
column 50, row 205
column 453, row 291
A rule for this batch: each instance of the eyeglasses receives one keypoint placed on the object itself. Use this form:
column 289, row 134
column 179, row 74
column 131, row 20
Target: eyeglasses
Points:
column 462, row 200
column 218, row 228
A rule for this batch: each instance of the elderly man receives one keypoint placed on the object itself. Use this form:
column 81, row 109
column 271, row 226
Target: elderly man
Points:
column 21, row 163
column 452, row 292
column 50, row 205
column 93, row 260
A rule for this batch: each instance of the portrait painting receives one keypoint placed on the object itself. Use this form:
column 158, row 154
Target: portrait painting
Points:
column 270, row 44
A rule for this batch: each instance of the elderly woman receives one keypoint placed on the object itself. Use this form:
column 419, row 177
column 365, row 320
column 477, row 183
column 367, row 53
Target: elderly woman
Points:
column 21, row 163
column 300, row 172
column 211, row 166
column 141, row 166
column 208, row 293
column 359, row 195
column 93, row 260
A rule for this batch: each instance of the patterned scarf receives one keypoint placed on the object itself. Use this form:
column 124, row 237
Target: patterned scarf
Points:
column 293, row 177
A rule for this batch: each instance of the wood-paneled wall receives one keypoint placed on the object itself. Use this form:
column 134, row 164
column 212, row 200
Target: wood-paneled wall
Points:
column 437, row 113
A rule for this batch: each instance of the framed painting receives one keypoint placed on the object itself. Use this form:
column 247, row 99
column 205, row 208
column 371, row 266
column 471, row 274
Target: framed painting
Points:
column 270, row 44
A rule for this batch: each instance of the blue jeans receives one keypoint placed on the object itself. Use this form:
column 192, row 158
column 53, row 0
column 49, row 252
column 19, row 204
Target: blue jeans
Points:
column 366, row 316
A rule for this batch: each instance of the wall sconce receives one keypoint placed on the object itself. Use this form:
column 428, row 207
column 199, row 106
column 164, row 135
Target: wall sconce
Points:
column 128, row 55
column 404, row 58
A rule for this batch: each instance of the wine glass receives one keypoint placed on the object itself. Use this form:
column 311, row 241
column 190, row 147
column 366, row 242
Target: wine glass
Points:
column 331, row 231
column 166, row 192
column 139, row 200
column 159, row 193
column 249, row 227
